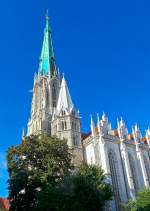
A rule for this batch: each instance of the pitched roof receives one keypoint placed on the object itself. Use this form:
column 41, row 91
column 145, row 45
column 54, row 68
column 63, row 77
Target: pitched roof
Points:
column 64, row 99
column 4, row 204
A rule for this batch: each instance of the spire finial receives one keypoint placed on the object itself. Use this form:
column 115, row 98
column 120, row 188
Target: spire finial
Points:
column 136, row 127
column 47, row 64
column 118, row 123
column 92, row 126
column 47, row 20
column 98, row 119
column 47, row 16
column 104, row 118
column 92, row 121
column 23, row 134
column 122, row 123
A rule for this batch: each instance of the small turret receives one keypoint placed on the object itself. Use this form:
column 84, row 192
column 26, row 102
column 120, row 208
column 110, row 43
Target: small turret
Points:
column 105, row 125
column 148, row 136
column 122, row 130
column 99, row 124
column 104, row 117
column 122, row 123
column 136, row 134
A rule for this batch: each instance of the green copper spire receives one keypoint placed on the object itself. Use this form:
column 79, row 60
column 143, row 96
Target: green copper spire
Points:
column 47, row 63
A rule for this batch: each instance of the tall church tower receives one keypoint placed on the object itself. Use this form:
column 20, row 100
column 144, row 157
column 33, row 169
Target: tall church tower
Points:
column 52, row 109
column 66, row 120
column 46, row 88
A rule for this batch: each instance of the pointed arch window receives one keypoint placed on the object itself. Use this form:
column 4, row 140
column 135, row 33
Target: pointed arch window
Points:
column 133, row 172
column 54, row 95
column 115, row 178
column 75, row 143
column 65, row 125
column 147, row 167
column 72, row 125
column 47, row 96
column 63, row 113
column 62, row 124
column 73, row 113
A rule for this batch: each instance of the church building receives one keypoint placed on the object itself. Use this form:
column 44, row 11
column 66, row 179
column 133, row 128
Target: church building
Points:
column 52, row 109
column 125, row 158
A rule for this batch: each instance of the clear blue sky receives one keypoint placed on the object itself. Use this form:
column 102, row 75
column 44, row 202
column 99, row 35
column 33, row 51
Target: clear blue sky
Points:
column 103, row 47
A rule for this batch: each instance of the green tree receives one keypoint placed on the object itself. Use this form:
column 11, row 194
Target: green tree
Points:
column 51, row 199
column 85, row 190
column 141, row 203
column 143, row 200
column 131, row 205
column 32, row 166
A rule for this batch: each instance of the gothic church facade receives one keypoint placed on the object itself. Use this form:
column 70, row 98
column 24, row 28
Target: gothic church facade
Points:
column 124, row 158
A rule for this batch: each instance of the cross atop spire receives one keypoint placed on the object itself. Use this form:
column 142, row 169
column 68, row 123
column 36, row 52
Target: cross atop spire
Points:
column 47, row 21
column 47, row 16
column 47, row 61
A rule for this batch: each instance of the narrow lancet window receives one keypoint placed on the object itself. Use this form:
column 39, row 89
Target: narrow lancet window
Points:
column 147, row 167
column 133, row 172
column 115, row 178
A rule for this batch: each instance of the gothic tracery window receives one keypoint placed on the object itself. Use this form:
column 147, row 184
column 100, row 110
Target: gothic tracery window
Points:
column 54, row 95
column 133, row 172
column 65, row 125
column 72, row 125
column 147, row 167
column 115, row 178
column 62, row 124
column 63, row 113
column 47, row 97
column 75, row 141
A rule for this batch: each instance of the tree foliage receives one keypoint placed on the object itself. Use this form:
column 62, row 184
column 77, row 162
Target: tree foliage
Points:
column 85, row 190
column 41, row 177
column 130, row 206
column 141, row 203
column 143, row 200
column 32, row 166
